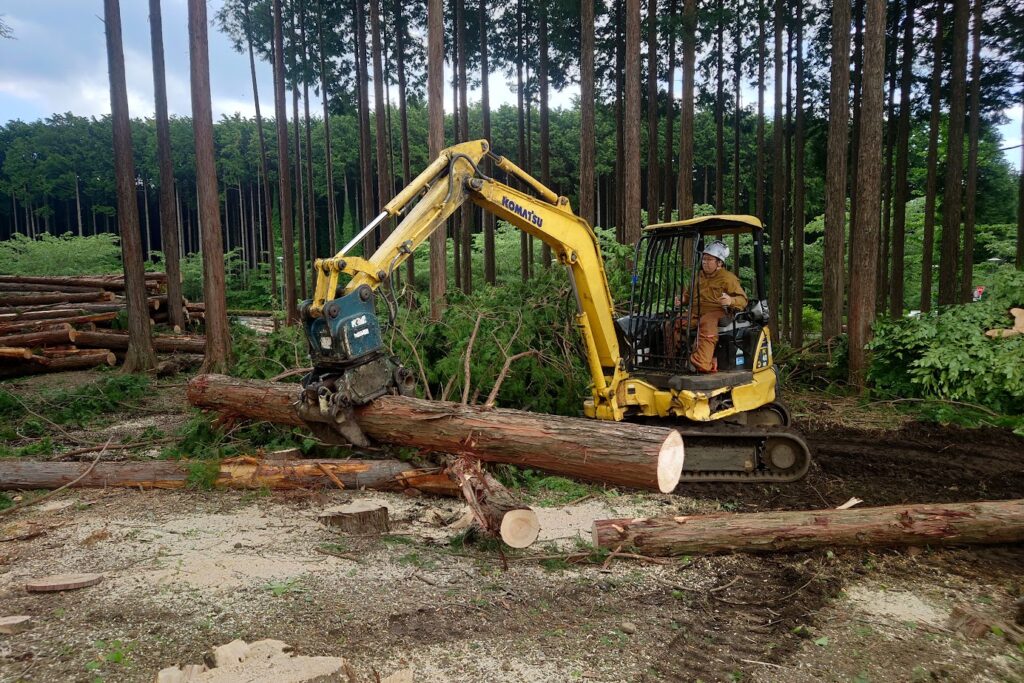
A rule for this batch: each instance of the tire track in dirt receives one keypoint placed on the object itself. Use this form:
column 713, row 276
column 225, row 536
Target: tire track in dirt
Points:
column 750, row 617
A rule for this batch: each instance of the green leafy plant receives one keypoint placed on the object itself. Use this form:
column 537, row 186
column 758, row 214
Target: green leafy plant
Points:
column 946, row 355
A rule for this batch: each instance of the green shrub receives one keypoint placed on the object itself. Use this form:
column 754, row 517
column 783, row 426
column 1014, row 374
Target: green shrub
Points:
column 64, row 255
column 263, row 356
column 945, row 354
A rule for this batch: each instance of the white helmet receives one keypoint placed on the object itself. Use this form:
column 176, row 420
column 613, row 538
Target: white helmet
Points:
column 718, row 250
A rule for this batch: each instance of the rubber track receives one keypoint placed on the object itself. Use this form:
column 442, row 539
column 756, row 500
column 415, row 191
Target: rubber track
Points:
column 694, row 436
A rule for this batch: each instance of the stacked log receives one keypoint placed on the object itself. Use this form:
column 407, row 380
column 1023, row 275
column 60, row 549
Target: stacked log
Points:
column 53, row 323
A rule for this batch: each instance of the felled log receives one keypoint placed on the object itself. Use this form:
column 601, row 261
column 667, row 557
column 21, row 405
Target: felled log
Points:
column 78, row 360
column 22, row 287
column 236, row 473
column 60, row 333
column 24, row 326
column 637, row 456
column 15, row 352
column 894, row 525
column 1018, row 326
column 162, row 343
column 496, row 511
column 114, row 283
column 40, row 298
column 17, row 315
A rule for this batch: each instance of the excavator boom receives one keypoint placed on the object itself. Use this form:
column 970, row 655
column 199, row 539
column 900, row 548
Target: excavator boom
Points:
column 351, row 366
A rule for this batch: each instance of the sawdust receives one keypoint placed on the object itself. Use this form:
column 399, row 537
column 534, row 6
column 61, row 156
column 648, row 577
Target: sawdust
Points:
column 899, row 606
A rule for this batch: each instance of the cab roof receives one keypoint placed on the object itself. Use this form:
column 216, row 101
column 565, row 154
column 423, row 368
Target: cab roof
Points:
column 713, row 225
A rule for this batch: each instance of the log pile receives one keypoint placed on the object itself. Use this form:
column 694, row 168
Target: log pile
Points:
column 53, row 323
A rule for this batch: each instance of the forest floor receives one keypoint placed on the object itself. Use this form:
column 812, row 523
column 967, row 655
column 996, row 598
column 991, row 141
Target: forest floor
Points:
column 187, row 570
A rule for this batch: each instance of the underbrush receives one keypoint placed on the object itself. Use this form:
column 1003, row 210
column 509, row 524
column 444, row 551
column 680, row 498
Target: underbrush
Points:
column 75, row 406
column 944, row 355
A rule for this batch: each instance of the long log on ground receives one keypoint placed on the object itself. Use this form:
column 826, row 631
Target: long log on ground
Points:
column 22, row 287
column 17, row 315
column 24, row 326
column 236, row 473
column 162, row 343
column 117, row 304
column 496, row 511
column 108, row 282
column 15, row 353
column 894, row 525
column 61, row 333
column 79, row 360
column 40, row 298
column 637, row 456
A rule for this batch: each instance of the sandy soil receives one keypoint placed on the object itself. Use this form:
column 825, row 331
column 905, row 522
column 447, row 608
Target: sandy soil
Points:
column 185, row 571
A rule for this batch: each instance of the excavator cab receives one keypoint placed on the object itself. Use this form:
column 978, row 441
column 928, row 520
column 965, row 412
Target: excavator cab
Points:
column 659, row 333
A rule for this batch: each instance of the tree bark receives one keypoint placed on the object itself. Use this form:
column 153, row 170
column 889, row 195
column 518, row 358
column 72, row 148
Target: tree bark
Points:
column 465, row 244
column 759, row 180
column 737, row 64
column 931, row 180
column 894, row 525
column 684, row 194
column 365, row 153
column 435, row 143
column 974, row 129
column 234, row 473
column 609, row 452
column 902, row 188
column 140, row 356
column 113, row 283
column 653, row 182
column 264, row 173
column 545, row 116
column 284, row 182
column 631, row 121
column 118, row 340
column 218, row 334
column 667, row 168
column 720, row 106
column 864, row 237
column 385, row 186
column 796, row 328
column 490, row 275
column 168, row 213
column 332, row 210
column 60, row 334
column 952, row 201
column 778, row 180
column 73, row 360
column 313, row 247
column 41, row 298
column 587, row 133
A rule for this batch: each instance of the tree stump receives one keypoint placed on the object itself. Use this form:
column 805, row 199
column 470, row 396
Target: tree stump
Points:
column 359, row 518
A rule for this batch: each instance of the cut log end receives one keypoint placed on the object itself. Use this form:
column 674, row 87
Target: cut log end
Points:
column 520, row 528
column 670, row 462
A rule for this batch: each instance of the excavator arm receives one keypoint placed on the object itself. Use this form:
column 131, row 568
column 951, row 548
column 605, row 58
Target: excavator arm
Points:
column 341, row 324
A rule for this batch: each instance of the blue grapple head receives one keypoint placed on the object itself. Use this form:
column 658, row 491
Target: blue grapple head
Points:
column 351, row 366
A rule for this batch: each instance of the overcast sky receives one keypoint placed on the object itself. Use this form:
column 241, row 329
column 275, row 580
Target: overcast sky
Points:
column 57, row 63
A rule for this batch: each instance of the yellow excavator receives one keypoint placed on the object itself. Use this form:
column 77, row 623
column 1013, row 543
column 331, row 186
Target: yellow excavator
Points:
column 733, row 427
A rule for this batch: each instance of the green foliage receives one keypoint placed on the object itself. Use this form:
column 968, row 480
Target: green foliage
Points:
column 543, row 490
column 199, row 438
column 946, row 355
column 264, row 356
column 202, row 474
column 64, row 255
column 247, row 287
column 515, row 317
column 110, row 393
column 5, row 501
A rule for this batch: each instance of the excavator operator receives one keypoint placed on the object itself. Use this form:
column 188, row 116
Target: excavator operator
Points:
column 718, row 292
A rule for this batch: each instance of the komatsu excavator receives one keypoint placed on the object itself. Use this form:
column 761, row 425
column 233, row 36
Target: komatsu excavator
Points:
column 733, row 427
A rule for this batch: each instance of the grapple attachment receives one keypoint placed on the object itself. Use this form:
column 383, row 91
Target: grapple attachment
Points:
column 351, row 367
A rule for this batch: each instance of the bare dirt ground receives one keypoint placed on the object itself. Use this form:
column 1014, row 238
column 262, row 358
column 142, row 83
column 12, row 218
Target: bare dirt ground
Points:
column 187, row 570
